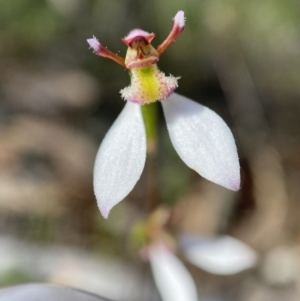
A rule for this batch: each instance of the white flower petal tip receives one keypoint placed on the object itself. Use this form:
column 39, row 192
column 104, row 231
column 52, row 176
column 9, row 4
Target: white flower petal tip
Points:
column 202, row 140
column 223, row 255
column 179, row 19
column 105, row 211
column 172, row 279
column 120, row 159
column 94, row 44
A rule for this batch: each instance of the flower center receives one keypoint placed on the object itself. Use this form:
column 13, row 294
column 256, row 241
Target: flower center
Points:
column 148, row 83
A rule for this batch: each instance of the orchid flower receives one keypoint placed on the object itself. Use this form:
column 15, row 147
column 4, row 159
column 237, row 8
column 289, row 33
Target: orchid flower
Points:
column 201, row 138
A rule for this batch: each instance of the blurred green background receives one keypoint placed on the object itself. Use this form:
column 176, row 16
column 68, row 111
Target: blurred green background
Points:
column 57, row 100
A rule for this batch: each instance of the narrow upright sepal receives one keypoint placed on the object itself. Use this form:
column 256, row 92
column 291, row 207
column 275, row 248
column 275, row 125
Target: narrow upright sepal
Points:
column 100, row 50
column 178, row 27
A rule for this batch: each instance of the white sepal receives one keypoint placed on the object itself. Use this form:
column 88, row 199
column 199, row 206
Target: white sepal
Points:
column 222, row 255
column 172, row 279
column 202, row 140
column 120, row 159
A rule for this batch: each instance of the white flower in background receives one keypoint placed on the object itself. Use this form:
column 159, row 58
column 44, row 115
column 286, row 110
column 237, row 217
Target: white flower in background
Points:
column 201, row 138
column 223, row 255
column 171, row 277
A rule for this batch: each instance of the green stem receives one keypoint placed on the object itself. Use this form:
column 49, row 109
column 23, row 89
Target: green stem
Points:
column 150, row 120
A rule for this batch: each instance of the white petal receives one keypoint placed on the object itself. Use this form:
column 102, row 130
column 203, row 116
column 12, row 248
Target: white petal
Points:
column 35, row 292
column 223, row 255
column 120, row 159
column 202, row 140
column 172, row 279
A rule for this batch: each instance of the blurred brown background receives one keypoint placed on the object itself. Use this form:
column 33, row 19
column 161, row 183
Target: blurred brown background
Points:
column 57, row 100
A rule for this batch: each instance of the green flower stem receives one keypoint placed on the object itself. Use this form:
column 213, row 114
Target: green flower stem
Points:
column 150, row 120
